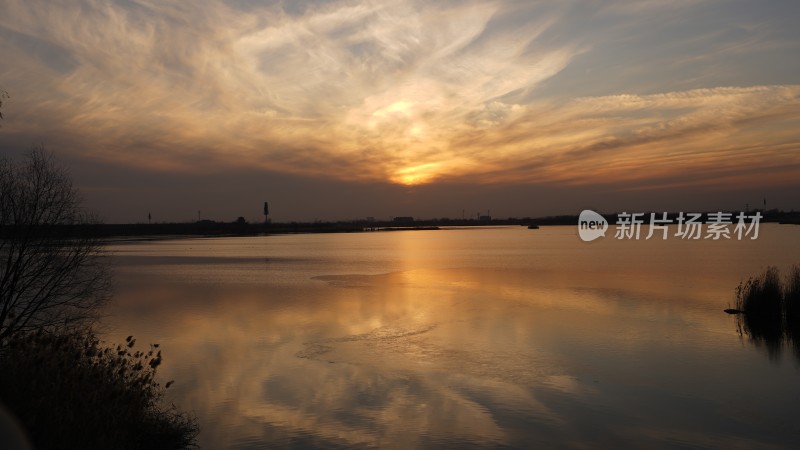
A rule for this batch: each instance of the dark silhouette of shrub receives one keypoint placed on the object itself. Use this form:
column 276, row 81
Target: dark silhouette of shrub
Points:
column 769, row 311
column 70, row 392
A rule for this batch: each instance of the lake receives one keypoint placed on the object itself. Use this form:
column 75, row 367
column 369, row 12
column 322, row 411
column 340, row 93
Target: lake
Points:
column 461, row 338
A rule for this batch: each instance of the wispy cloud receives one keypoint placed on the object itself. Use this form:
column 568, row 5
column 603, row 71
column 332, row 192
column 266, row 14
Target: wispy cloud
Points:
column 397, row 91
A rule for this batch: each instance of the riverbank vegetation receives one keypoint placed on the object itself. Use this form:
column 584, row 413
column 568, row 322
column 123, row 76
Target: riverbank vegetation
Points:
column 69, row 391
column 769, row 309
column 58, row 382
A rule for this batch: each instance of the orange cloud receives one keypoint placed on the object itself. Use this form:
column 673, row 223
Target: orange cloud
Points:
column 385, row 91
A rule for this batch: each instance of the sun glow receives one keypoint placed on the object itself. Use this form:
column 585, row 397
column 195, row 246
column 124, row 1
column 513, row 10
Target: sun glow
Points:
column 415, row 175
column 401, row 107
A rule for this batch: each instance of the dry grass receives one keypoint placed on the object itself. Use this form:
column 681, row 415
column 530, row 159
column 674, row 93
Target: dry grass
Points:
column 68, row 391
column 771, row 309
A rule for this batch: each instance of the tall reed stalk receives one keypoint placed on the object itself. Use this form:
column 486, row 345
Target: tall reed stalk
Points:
column 770, row 309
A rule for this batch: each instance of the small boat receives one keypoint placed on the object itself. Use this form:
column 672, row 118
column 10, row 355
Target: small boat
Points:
column 533, row 227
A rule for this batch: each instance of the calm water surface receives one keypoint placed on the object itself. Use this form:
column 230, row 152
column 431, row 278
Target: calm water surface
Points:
column 490, row 337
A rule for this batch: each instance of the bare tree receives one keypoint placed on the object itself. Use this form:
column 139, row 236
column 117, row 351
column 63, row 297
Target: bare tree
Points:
column 52, row 271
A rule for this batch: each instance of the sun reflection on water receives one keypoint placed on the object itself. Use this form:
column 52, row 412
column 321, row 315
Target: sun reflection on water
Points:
column 449, row 347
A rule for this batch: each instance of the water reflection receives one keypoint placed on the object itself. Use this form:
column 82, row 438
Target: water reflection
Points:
column 488, row 351
column 428, row 359
column 763, row 333
column 372, row 365
column 768, row 311
column 771, row 333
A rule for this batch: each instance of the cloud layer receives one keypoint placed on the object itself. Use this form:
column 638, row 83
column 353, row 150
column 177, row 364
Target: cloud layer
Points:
column 632, row 93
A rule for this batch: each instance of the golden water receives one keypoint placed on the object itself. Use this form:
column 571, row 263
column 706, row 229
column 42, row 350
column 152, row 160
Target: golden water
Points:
column 486, row 337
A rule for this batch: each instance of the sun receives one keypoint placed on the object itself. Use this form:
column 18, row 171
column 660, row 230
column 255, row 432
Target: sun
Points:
column 415, row 175
column 402, row 107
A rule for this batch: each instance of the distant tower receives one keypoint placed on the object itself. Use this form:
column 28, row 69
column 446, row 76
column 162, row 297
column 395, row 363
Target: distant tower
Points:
column 266, row 212
column 149, row 218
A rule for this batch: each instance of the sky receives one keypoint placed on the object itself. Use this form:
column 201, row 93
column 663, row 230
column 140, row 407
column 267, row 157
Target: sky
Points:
column 337, row 110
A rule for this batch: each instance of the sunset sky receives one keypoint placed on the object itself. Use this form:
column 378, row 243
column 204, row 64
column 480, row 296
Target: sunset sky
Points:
column 347, row 109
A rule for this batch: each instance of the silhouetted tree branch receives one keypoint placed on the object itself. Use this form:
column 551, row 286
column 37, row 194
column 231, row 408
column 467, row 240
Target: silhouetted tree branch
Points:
column 52, row 272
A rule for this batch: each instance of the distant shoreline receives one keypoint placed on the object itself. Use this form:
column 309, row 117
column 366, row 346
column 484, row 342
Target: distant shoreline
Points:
column 208, row 228
column 160, row 231
column 137, row 233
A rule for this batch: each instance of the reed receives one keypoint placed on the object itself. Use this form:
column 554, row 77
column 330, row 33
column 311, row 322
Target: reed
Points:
column 761, row 295
column 770, row 309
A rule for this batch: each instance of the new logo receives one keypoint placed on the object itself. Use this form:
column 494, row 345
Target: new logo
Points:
column 591, row 225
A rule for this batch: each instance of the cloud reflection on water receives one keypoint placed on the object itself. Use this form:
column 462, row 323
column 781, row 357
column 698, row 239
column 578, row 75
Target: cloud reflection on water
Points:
column 412, row 359
column 399, row 364
column 569, row 352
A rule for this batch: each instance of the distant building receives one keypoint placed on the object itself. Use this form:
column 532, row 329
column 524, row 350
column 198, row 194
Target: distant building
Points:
column 485, row 218
column 403, row 219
